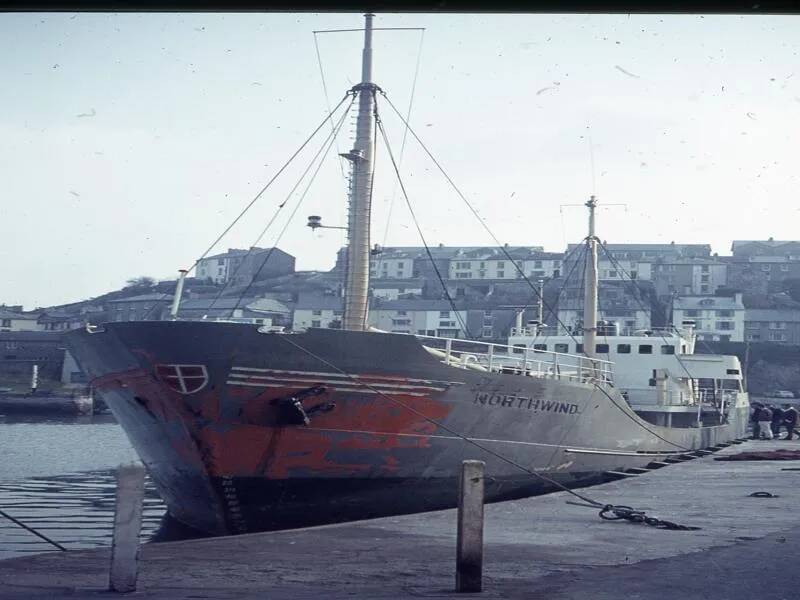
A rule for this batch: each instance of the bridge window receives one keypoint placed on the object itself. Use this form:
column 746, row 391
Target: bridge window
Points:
column 601, row 348
column 623, row 348
column 645, row 349
column 668, row 349
column 519, row 348
column 563, row 348
column 540, row 347
column 578, row 348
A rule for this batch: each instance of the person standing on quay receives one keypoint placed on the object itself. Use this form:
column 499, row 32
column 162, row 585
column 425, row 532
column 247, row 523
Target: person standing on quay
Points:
column 789, row 420
column 765, row 423
column 777, row 420
column 754, row 419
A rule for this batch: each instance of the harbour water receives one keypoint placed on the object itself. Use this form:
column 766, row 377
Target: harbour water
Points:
column 57, row 476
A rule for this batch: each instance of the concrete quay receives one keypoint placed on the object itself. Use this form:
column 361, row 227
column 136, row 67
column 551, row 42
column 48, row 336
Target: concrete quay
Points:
column 534, row 548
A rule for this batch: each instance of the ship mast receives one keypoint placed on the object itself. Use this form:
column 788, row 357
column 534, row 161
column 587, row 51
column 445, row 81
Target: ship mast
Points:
column 358, row 220
column 590, row 298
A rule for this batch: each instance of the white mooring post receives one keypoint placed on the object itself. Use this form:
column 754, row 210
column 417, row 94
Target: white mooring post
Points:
column 127, row 526
column 469, row 542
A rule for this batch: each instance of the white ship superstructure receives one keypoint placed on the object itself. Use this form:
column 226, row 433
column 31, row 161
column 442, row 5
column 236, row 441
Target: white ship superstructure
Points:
column 656, row 370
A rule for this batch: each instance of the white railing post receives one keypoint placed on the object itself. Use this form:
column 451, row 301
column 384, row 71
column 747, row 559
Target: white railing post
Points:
column 448, row 348
column 525, row 360
column 490, row 355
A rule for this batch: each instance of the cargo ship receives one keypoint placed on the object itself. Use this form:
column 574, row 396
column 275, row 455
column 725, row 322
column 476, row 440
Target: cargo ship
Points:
column 243, row 428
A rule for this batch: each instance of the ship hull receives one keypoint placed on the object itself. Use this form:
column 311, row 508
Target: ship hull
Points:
column 208, row 408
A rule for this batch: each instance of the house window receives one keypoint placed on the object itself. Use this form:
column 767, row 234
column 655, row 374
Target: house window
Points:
column 645, row 349
column 668, row 349
column 401, row 313
column 463, row 275
column 724, row 313
column 777, row 337
column 633, row 274
column 315, row 324
column 704, row 268
column 753, row 337
column 601, row 348
column 777, row 325
column 487, row 313
column 220, row 261
column 444, row 314
column 501, row 274
column 623, row 348
column 724, row 325
column 784, row 268
column 612, row 274
column 704, row 278
column 486, row 332
column 692, row 313
column 537, row 264
column 316, row 313
column 563, row 348
column 765, row 267
column 400, row 265
column 752, row 325
column 501, row 264
column 337, row 313
column 6, row 323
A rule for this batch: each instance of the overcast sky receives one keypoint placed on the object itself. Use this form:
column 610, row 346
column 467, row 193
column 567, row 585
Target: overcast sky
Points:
column 128, row 142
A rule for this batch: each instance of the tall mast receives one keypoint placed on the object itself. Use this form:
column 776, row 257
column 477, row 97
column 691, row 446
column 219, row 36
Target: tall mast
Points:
column 590, row 300
column 358, row 225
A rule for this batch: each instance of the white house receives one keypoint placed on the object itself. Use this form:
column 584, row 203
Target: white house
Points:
column 422, row 317
column 317, row 311
column 717, row 318
column 11, row 320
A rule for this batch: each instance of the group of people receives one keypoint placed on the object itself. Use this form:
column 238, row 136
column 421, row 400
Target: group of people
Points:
column 767, row 421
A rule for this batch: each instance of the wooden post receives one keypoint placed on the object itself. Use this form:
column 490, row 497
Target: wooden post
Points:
column 127, row 526
column 469, row 542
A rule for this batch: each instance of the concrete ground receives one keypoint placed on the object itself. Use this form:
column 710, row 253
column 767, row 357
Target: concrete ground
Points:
column 534, row 548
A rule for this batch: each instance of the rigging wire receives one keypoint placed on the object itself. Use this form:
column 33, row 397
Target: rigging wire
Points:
column 636, row 296
column 324, row 147
column 384, row 395
column 633, row 417
column 255, row 198
column 500, row 246
column 452, row 303
column 327, row 99
column 402, row 146
column 331, row 140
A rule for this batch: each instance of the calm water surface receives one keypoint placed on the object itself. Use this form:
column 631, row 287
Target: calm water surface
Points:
column 57, row 476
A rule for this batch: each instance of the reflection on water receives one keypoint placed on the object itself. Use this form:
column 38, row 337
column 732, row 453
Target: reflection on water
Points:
column 75, row 510
column 57, row 476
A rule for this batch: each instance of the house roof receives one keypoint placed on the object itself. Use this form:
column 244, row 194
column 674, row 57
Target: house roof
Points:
column 319, row 302
column 235, row 252
column 396, row 283
column 7, row 314
column 144, row 298
column 464, row 252
column 31, row 336
column 772, row 314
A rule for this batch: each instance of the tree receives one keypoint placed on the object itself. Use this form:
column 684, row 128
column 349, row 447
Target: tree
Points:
column 142, row 281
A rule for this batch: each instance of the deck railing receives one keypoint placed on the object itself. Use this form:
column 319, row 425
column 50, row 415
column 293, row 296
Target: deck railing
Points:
column 502, row 358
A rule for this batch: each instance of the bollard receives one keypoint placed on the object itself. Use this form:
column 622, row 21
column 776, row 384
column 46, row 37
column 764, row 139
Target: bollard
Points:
column 127, row 526
column 469, row 543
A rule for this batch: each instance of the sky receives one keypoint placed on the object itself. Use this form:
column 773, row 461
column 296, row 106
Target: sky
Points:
column 129, row 142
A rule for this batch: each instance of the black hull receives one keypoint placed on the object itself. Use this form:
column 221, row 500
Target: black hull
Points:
column 226, row 459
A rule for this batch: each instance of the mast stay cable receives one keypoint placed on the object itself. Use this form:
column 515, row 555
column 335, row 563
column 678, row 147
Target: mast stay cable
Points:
column 620, row 511
column 256, row 197
column 627, row 413
column 450, row 300
column 402, row 146
column 324, row 147
column 330, row 142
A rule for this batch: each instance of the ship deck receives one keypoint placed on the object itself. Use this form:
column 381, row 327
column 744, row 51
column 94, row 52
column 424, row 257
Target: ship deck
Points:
column 535, row 547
